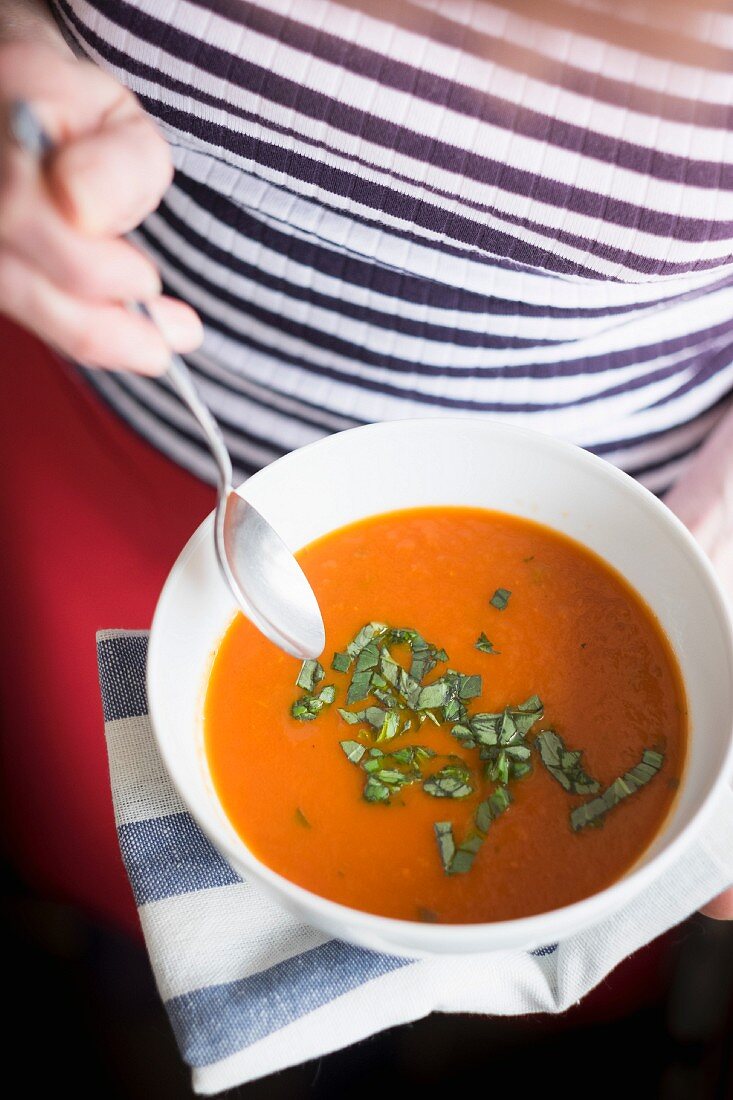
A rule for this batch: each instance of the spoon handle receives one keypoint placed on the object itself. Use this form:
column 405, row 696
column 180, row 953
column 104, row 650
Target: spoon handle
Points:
column 30, row 135
column 182, row 382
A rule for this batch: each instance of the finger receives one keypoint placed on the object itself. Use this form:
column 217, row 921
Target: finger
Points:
column 99, row 335
column 109, row 153
column 71, row 97
column 88, row 267
column 105, row 184
column 720, row 908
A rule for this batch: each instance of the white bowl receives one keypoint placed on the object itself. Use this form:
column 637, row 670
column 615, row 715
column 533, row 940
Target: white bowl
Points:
column 414, row 463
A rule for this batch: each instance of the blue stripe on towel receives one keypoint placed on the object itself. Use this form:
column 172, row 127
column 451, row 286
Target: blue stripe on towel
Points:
column 217, row 1021
column 170, row 855
column 122, row 676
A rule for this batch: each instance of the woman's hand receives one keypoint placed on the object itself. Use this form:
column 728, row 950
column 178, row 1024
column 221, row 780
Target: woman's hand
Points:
column 703, row 500
column 64, row 271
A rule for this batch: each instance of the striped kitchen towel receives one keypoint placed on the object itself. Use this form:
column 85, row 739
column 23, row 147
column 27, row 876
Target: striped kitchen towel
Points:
column 249, row 989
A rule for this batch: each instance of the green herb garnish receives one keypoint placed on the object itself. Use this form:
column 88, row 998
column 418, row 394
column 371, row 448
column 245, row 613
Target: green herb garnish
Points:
column 406, row 686
column 375, row 790
column 387, row 772
column 446, row 843
column 449, row 694
column 310, row 675
column 458, row 859
column 412, row 754
column 500, row 598
column 340, row 662
column 365, row 635
column 396, row 700
column 390, row 726
column 308, row 707
column 592, row 813
column 501, row 739
column 361, row 681
column 373, row 716
column 564, row 765
column 452, row 781
column 354, row 750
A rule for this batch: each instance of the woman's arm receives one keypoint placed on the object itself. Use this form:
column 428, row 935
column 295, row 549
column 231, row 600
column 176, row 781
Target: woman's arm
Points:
column 703, row 500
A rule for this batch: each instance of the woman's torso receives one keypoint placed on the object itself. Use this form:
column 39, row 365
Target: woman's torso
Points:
column 449, row 210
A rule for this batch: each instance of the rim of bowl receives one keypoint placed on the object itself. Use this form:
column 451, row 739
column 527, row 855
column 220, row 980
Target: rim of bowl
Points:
column 539, row 926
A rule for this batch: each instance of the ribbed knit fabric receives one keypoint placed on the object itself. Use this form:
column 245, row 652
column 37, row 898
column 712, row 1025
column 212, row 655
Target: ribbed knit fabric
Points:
column 446, row 208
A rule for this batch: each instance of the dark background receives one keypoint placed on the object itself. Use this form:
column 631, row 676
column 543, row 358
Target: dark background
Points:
column 84, row 1017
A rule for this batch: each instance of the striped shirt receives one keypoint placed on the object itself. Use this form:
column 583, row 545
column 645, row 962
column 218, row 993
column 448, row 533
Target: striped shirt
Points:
column 431, row 207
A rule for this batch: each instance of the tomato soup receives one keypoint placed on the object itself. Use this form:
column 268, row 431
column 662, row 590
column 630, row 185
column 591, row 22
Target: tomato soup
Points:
column 484, row 808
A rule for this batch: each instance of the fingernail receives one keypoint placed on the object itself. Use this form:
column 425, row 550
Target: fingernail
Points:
column 153, row 286
column 183, row 331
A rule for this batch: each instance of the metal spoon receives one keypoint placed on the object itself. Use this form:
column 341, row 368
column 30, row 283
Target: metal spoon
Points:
column 261, row 571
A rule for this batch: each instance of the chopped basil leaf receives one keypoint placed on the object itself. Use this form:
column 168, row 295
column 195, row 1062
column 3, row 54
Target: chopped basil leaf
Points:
column 341, row 662
column 354, row 750
column 491, row 808
column 452, row 781
column 361, row 682
column 390, row 726
column 500, row 739
column 465, row 854
column 482, row 729
column 392, row 771
column 458, row 859
column 395, row 675
column 564, row 765
column 527, row 713
column 412, row 754
column 308, row 707
column 427, row 715
column 469, row 687
column 391, row 776
column 310, row 675
column 365, row 635
column 482, row 643
column 374, row 791
column 500, row 598
column 373, row 716
column 592, row 813
column 433, row 695
column 446, row 843
column 424, row 657
column 498, row 769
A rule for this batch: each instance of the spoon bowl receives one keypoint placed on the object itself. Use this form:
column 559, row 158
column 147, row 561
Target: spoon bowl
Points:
column 266, row 579
column 262, row 573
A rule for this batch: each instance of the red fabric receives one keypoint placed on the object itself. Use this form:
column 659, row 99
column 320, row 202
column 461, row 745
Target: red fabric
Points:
column 92, row 520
